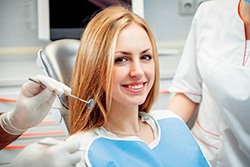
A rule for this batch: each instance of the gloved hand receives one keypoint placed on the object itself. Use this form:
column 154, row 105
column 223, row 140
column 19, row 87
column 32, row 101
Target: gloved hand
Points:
column 33, row 104
column 42, row 153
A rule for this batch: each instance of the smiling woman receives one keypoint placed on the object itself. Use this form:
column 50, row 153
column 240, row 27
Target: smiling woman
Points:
column 133, row 71
column 96, row 68
column 117, row 64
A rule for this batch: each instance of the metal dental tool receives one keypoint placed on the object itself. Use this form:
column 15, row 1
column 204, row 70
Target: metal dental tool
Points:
column 90, row 103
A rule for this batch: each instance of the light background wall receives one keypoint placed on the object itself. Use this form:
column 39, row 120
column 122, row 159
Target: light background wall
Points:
column 165, row 20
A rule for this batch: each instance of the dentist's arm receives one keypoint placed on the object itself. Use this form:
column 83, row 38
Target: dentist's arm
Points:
column 182, row 106
column 33, row 104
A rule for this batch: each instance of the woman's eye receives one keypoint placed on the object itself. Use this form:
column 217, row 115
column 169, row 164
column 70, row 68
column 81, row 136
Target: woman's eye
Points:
column 146, row 57
column 120, row 59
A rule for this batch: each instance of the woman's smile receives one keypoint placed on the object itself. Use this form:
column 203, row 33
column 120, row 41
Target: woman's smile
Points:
column 135, row 87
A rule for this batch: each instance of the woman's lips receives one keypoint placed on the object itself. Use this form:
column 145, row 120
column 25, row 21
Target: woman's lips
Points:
column 135, row 87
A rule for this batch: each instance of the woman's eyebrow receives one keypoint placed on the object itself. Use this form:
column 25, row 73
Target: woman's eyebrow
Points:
column 123, row 52
column 128, row 53
column 146, row 50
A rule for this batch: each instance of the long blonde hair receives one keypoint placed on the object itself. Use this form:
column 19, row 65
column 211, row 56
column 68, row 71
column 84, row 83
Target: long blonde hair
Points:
column 92, row 73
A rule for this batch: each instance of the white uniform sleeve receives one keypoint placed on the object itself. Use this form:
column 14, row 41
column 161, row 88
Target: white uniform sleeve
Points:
column 187, row 79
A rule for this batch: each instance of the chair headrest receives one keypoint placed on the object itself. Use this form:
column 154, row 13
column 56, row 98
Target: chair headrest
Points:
column 57, row 59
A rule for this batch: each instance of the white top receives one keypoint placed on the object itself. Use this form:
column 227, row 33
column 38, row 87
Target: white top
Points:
column 174, row 145
column 211, row 73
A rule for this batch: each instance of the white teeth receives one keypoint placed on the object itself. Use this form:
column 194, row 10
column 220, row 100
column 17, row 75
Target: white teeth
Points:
column 135, row 86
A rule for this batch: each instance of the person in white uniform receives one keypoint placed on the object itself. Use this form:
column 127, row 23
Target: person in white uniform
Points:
column 213, row 76
column 117, row 65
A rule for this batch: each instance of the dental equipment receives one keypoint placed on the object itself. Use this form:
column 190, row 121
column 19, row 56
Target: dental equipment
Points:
column 90, row 103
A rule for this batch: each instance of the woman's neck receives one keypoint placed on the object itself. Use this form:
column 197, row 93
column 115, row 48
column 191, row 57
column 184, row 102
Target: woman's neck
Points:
column 123, row 119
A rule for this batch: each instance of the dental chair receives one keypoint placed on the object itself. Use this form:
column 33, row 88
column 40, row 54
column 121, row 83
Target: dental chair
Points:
column 57, row 60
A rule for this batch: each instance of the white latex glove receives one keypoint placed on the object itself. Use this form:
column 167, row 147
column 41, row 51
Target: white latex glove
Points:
column 61, row 154
column 33, row 104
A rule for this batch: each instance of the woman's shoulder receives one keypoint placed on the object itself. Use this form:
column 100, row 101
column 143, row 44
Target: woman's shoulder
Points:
column 85, row 138
column 163, row 114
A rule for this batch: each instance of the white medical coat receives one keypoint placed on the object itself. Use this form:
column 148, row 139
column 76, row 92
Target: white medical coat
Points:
column 212, row 74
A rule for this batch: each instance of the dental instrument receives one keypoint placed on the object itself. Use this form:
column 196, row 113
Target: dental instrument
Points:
column 90, row 103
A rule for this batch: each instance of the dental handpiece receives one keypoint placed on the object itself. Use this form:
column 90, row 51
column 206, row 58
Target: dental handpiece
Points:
column 90, row 102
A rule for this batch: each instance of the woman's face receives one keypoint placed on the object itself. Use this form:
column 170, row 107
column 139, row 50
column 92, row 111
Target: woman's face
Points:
column 133, row 74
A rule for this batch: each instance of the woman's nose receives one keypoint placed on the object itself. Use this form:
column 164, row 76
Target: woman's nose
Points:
column 136, row 70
